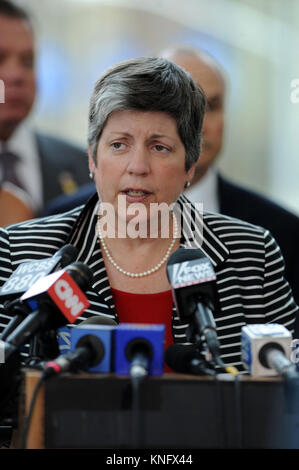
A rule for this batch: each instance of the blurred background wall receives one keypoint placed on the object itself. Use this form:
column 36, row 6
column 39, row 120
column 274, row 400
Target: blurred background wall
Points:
column 255, row 41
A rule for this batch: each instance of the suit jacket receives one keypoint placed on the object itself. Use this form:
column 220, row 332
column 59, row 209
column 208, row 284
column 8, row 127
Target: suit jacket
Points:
column 64, row 166
column 247, row 205
column 246, row 259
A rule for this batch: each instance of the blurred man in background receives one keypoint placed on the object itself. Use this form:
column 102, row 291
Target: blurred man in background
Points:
column 217, row 193
column 34, row 168
column 209, row 76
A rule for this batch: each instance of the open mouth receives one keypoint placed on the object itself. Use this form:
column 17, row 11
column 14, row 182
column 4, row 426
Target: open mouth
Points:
column 136, row 192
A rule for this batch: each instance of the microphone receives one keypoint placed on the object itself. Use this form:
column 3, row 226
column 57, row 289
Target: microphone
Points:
column 139, row 349
column 64, row 333
column 91, row 343
column 54, row 299
column 186, row 359
column 265, row 349
column 68, row 254
column 193, row 282
column 98, row 319
column 25, row 276
column 139, row 354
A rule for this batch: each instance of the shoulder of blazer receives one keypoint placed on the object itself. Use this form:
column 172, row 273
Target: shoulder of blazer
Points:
column 38, row 238
column 63, row 225
column 244, row 203
column 53, row 148
column 46, row 140
column 208, row 231
column 216, row 231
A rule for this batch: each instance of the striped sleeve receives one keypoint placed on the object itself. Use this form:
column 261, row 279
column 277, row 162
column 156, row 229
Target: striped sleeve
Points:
column 278, row 299
column 5, row 260
column 5, row 272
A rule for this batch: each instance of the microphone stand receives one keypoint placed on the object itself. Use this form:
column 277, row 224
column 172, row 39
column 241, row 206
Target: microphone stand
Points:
column 203, row 325
column 199, row 365
column 43, row 347
column 136, row 412
column 138, row 375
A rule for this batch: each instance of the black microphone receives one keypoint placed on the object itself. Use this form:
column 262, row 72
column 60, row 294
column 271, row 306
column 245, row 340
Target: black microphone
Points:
column 57, row 299
column 24, row 277
column 89, row 350
column 98, row 319
column 193, row 281
column 186, row 359
column 20, row 312
column 139, row 352
column 191, row 276
column 68, row 254
column 273, row 356
column 139, row 349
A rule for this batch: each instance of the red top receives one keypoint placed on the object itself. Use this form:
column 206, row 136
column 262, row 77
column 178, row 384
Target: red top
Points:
column 146, row 308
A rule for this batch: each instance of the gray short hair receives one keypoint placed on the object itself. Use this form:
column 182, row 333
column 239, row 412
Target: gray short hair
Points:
column 149, row 84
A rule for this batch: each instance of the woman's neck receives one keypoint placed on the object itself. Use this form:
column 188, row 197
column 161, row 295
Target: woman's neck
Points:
column 125, row 235
column 137, row 262
column 140, row 259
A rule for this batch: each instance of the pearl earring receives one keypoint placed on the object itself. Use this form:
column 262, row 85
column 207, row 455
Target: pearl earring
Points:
column 91, row 175
column 187, row 184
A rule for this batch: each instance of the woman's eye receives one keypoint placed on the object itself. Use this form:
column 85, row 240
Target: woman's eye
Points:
column 161, row 148
column 117, row 145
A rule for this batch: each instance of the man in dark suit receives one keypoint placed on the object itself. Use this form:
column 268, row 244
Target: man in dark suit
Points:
column 217, row 192
column 34, row 168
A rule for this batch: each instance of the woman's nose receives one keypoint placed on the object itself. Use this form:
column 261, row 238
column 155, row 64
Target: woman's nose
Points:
column 139, row 161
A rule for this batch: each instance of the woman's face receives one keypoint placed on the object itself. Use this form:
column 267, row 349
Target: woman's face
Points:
column 141, row 157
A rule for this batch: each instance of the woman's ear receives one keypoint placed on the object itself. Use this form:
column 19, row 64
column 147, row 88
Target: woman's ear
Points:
column 91, row 163
column 190, row 173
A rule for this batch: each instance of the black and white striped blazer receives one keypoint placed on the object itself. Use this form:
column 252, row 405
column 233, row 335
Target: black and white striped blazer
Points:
column 247, row 261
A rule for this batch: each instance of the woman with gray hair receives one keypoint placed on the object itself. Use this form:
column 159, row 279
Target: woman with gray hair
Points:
column 144, row 138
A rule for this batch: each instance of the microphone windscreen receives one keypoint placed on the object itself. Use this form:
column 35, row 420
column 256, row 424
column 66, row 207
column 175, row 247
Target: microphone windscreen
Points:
column 179, row 356
column 96, row 332
column 98, row 320
column 184, row 254
column 81, row 274
column 68, row 254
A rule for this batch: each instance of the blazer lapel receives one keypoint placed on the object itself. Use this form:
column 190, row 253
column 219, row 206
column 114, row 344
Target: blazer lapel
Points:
column 197, row 231
column 84, row 238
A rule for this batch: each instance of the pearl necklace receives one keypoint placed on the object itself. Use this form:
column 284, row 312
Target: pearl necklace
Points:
column 149, row 271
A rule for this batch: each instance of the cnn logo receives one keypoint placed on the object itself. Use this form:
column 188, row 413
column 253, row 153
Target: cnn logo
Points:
column 68, row 297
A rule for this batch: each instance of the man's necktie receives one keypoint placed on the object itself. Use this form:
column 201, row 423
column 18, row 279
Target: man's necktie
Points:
column 8, row 165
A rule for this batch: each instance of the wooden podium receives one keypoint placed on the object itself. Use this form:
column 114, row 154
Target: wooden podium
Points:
column 176, row 411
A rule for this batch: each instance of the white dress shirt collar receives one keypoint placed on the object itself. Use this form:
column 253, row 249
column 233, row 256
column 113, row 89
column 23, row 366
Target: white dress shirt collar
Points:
column 205, row 191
